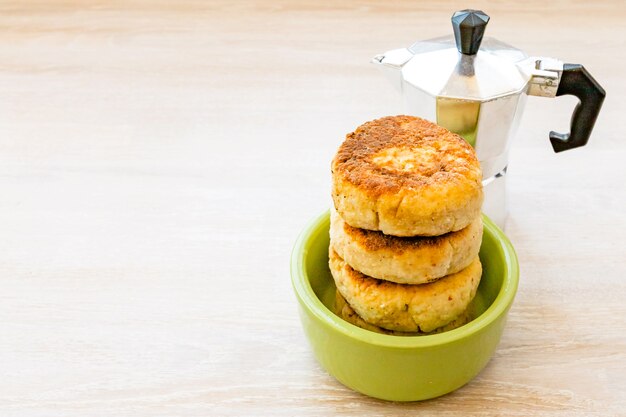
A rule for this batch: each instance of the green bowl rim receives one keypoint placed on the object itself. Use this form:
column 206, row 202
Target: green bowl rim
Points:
column 308, row 298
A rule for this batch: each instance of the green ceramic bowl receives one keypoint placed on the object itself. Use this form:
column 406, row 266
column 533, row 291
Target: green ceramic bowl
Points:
column 401, row 368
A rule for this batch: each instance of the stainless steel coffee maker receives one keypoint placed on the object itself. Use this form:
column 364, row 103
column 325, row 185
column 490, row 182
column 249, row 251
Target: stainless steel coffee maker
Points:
column 477, row 88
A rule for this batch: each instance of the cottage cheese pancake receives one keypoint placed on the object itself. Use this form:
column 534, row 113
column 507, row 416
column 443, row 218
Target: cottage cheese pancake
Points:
column 406, row 176
column 405, row 260
column 402, row 307
column 343, row 310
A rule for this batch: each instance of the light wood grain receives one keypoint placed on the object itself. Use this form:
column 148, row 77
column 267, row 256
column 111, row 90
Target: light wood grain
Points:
column 158, row 159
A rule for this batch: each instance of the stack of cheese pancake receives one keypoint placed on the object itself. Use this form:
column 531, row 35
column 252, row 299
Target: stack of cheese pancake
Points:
column 406, row 229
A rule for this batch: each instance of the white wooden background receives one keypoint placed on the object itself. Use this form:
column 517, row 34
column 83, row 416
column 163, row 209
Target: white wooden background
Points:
column 159, row 158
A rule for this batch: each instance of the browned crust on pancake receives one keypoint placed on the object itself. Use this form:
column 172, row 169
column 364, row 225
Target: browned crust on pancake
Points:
column 454, row 159
column 374, row 240
column 405, row 260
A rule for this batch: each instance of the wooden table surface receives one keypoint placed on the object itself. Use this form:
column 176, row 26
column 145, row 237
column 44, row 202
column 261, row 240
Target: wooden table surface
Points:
column 159, row 158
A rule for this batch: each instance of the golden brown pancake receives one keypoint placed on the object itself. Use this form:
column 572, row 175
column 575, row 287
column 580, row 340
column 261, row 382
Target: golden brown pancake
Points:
column 406, row 176
column 403, row 307
column 405, row 260
column 343, row 310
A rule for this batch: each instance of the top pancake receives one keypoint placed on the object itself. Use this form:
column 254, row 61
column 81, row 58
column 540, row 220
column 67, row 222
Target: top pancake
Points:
column 406, row 176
